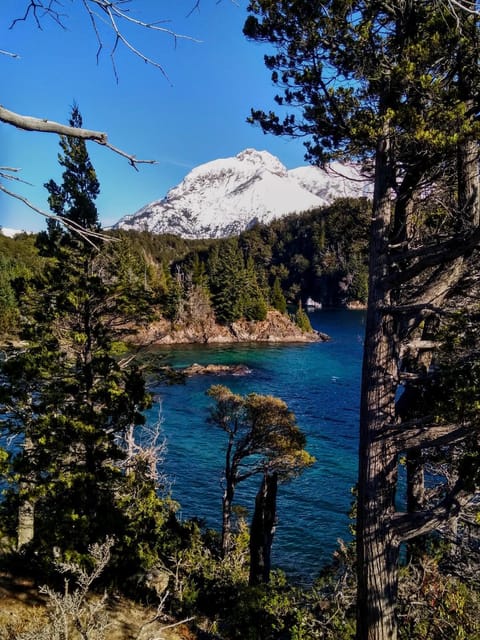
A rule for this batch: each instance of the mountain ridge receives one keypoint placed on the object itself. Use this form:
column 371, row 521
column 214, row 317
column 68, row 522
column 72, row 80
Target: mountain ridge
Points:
column 223, row 197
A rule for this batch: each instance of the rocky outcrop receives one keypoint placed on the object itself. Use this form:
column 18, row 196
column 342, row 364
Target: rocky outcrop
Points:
column 277, row 327
column 196, row 369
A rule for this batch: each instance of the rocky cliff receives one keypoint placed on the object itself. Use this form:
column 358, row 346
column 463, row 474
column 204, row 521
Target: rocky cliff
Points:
column 277, row 327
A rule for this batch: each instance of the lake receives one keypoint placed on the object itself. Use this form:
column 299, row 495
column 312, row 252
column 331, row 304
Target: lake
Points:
column 320, row 382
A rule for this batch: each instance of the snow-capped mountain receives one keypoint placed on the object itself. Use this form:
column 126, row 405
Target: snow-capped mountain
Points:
column 226, row 196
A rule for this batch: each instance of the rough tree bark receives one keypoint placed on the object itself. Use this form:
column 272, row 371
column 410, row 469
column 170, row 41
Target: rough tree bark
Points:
column 262, row 530
column 376, row 548
column 26, row 506
column 408, row 290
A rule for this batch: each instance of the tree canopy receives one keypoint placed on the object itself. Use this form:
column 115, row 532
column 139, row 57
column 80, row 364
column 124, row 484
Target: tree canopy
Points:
column 262, row 438
column 394, row 85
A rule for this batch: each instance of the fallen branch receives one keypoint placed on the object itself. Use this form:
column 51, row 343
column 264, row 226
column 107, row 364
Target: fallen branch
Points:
column 175, row 624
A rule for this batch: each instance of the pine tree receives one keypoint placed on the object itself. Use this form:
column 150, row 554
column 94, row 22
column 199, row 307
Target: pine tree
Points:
column 393, row 84
column 262, row 439
column 278, row 299
column 66, row 395
column 172, row 304
column 254, row 304
column 75, row 198
column 302, row 320
column 227, row 282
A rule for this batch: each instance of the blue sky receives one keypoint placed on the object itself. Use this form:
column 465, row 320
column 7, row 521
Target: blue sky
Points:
column 196, row 115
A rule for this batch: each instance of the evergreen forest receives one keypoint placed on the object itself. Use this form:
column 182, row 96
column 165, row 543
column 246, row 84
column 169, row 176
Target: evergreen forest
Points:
column 320, row 254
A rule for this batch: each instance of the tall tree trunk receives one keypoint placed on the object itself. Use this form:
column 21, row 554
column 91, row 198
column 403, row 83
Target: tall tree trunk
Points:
column 468, row 182
column 227, row 501
column 377, row 548
column 26, row 518
column 262, row 530
column 26, row 506
column 227, row 517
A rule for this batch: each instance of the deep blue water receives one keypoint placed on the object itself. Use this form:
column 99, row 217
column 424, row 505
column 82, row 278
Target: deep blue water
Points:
column 321, row 384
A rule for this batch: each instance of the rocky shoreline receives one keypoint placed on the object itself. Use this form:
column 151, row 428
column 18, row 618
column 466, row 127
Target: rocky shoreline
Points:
column 276, row 328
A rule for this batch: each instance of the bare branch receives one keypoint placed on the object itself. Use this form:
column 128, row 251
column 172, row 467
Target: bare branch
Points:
column 433, row 255
column 470, row 6
column 145, row 458
column 29, row 123
column 408, row 526
column 423, row 432
column 174, row 624
column 9, row 54
column 86, row 234
column 132, row 160
column 7, row 174
column 111, row 14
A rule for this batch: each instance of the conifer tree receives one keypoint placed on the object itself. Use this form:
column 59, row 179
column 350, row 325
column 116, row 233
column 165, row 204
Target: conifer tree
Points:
column 262, row 439
column 302, row 320
column 173, row 298
column 227, row 282
column 66, row 396
column 394, row 84
column 278, row 299
column 254, row 305
column 75, row 198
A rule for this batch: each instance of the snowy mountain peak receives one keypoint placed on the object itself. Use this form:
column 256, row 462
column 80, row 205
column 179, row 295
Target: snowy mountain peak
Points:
column 264, row 160
column 225, row 196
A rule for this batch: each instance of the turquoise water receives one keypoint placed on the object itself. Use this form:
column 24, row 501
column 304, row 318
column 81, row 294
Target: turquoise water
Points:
column 321, row 384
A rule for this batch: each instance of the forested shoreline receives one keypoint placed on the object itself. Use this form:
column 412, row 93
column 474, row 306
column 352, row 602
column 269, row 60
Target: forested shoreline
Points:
column 320, row 255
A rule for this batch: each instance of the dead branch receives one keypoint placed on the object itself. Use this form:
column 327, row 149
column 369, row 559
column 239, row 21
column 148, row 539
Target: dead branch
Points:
column 433, row 255
column 86, row 234
column 29, row 123
column 113, row 16
column 469, row 6
column 425, row 433
column 175, row 624
column 410, row 525
column 10, row 54
column 145, row 458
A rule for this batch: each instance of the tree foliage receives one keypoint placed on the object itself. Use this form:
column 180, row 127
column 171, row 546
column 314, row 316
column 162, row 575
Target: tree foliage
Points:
column 262, row 439
column 320, row 254
column 19, row 261
column 68, row 401
column 394, row 85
